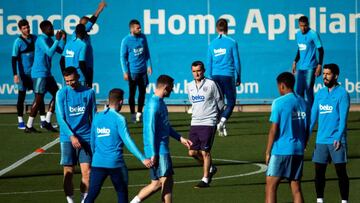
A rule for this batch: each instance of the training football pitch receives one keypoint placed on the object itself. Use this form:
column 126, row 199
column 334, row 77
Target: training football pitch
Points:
column 239, row 158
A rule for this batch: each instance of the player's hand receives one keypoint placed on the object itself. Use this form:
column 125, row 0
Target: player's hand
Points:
column 75, row 142
column 318, row 70
column 293, row 68
column 148, row 163
column 58, row 35
column 126, row 76
column 267, row 158
column 154, row 160
column 337, row 145
column 102, row 5
column 63, row 35
column 186, row 142
column 149, row 70
column 16, row 79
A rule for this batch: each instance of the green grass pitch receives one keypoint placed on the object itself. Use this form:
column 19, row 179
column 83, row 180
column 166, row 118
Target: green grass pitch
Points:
column 40, row 179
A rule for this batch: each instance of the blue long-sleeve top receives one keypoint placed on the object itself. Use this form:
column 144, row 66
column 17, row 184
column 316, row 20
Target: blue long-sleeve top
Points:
column 109, row 133
column 157, row 128
column 74, row 52
column 23, row 50
column 331, row 110
column 223, row 58
column 75, row 108
column 89, row 57
column 134, row 54
column 45, row 48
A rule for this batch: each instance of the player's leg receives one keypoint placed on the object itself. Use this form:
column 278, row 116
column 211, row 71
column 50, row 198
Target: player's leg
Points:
column 68, row 161
column 90, row 77
column 132, row 92
column 119, row 178
column 20, row 109
column 85, row 164
column 97, row 178
column 147, row 191
column 343, row 180
column 309, row 86
column 39, row 90
column 195, row 147
column 296, row 191
column 320, row 158
column 142, row 83
column 272, row 183
column 300, row 83
column 51, row 86
column 166, row 188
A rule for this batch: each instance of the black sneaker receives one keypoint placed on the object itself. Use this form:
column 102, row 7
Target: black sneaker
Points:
column 212, row 173
column 49, row 127
column 202, row 184
column 31, row 130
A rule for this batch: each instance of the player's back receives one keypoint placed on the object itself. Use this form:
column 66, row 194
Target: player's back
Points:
column 291, row 113
column 156, row 127
column 74, row 52
column 221, row 49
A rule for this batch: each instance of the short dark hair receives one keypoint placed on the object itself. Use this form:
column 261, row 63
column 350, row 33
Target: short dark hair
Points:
column 134, row 22
column 116, row 95
column 222, row 25
column 287, row 78
column 164, row 80
column 333, row 67
column 23, row 22
column 304, row 19
column 45, row 25
column 198, row 63
column 80, row 30
column 84, row 18
column 69, row 71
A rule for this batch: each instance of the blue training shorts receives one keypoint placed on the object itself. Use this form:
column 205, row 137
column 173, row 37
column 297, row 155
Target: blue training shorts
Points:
column 325, row 153
column 71, row 156
column 286, row 166
column 163, row 168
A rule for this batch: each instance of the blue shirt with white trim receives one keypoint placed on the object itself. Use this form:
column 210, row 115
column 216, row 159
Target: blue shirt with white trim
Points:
column 290, row 113
column 74, row 52
column 157, row 128
column 134, row 54
column 109, row 133
column 24, row 54
column 45, row 48
column 223, row 58
column 75, row 108
column 330, row 110
column 308, row 43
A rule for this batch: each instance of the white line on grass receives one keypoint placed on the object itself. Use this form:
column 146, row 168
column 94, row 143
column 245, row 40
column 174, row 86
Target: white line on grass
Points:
column 28, row 157
column 262, row 168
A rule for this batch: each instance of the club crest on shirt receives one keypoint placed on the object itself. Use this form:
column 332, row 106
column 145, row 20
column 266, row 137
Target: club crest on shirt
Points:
column 205, row 89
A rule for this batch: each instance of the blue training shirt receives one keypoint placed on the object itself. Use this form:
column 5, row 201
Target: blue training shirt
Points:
column 157, row 128
column 134, row 54
column 331, row 110
column 74, row 52
column 223, row 58
column 291, row 114
column 307, row 43
column 24, row 54
column 74, row 110
column 109, row 133
column 45, row 48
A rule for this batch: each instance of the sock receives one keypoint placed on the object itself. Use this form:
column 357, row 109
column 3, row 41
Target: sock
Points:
column 48, row 116
column 20, row 119
column 319, row 200
column 136, row 200
column 206, row 180
column 138, row 114
column 222, row 120
column 30, row 122
column 70, row 199
column 83, row 197
column 344, row 201
column 211, row 169
column 42, row 118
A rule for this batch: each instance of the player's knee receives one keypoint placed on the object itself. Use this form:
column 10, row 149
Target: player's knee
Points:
column 192, row 153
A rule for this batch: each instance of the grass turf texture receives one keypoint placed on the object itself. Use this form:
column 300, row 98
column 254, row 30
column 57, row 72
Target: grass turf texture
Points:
column 246, row 142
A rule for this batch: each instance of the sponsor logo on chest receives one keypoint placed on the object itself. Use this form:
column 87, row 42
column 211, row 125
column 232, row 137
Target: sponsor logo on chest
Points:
column 325, row 109
column 219, row 51
column 197, row 98
column 138, row 51
column 77, row 110
column 103, row 132
column 69, row 53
